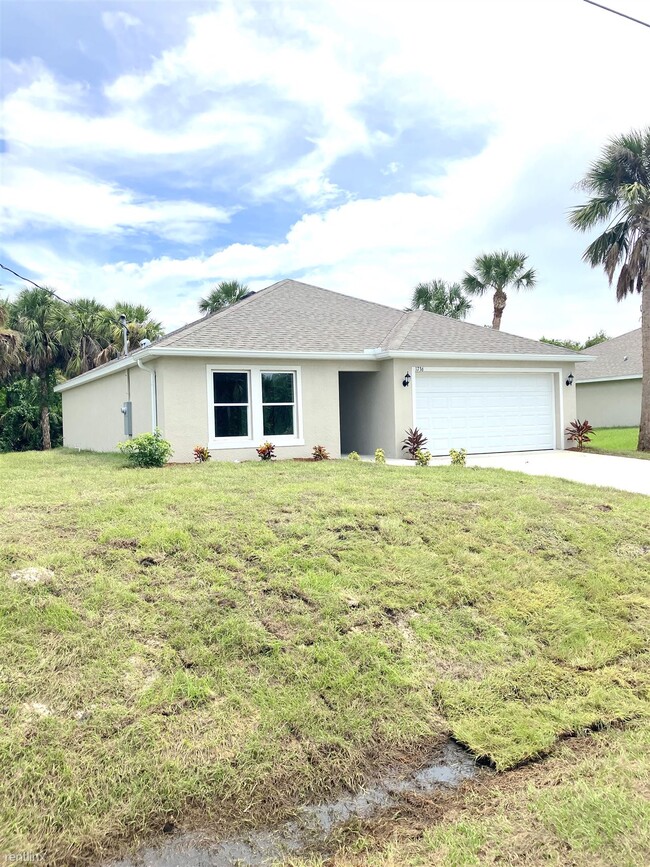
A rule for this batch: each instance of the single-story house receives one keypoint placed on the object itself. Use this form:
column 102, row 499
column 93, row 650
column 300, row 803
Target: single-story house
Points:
column 300, row 366
column 608, row 390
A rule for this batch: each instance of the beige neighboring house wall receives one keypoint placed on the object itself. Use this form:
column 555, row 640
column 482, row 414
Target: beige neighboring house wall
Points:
column 614, row 403
column 92, row 417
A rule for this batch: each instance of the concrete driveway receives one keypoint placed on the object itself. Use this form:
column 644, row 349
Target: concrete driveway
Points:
column 608, row 471
column 626, row 474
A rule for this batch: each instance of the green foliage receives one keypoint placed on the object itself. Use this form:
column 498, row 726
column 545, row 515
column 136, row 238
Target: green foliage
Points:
column 422, row 457
column 438, row 296
column 224, row 294
column 266, row 451
column 458, row 457
column 320, row 453
column 496, row 272
column 201, row 454
column 354, row 456
column 413, row 442
column 147, row 450
column 579, row 433
column 20, row 424
column 576, row 345
column 380, row 457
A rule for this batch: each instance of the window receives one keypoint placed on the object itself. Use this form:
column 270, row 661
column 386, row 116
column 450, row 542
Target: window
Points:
column 255, row 404
column 278, row 404
column 231, row 404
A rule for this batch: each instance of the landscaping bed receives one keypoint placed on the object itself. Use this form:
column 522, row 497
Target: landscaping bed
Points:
column 218, row 643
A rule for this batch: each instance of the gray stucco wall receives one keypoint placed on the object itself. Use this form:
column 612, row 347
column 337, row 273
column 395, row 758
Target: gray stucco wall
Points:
column 616, row 403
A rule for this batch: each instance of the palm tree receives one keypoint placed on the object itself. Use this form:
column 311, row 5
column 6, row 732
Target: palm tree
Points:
column 498, row 271
column 224, row 294
column 619, row 184
column 140, row 326
column 438, row 296
column 11, row 344
column 38, row 315
column 85, row 333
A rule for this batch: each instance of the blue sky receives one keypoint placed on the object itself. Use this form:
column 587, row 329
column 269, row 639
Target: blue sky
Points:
column 152, row 149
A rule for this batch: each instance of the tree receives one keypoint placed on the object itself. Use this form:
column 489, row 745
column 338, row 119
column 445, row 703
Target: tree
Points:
column 498, row 271
column 576, row 345
column 438, row 296
column 139, row 323
column 86, row 332
column 38, row 315
column 619, row 184
column 11, row 344
column 224, row 294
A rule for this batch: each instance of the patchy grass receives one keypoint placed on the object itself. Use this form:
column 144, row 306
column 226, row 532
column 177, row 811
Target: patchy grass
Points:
column 223, row 640
column 617, row 441
column 588, row 804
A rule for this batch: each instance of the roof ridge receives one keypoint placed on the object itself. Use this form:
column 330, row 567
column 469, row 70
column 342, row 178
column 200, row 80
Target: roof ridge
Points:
column 341, row 294
column 401, row 330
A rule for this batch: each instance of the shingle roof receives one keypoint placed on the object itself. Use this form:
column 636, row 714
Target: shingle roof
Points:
column 290, row 316
column 620, row 356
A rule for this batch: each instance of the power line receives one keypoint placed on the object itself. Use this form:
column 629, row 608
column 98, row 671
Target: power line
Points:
column 616, row 12
column 38, row 286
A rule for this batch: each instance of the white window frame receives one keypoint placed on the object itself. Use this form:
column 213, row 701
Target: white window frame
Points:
column 255, row 407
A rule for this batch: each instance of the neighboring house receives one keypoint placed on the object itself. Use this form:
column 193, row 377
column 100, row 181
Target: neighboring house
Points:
column 608, row 389
column 301, row 366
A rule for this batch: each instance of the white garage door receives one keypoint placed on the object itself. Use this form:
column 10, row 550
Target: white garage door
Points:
column 485, row 412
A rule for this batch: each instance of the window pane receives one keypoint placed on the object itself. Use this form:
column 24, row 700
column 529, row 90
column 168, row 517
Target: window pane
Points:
column 230, row 387
column 277, row 388
column 231, row 421
column 278, row 421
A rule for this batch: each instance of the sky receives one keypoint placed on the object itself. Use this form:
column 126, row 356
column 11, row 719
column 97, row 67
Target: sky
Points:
column 152, row 148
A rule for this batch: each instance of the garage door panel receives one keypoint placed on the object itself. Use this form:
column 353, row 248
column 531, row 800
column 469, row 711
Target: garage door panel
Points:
column 485, row 412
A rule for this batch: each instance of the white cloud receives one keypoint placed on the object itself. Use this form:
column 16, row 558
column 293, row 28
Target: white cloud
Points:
column 116, row 20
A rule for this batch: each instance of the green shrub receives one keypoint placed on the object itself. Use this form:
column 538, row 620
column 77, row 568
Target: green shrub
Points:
column 147, row 450
column 354, row 456
column 266, row 451
column 201, row 454
column 320, row 453
column 458, row 457
column 380, row 457
column 422, row 457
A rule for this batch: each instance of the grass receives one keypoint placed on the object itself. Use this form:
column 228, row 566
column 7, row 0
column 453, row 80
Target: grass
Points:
column 222, row 641
column 617, row 441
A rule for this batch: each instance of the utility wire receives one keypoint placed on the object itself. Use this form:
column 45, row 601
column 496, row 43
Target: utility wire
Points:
column 616, row 12
column 27, row 280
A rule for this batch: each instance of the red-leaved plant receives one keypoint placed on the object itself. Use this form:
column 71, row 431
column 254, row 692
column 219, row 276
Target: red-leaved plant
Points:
column 414, row 442
column 578, row 432
column 201, row 454
column 320, row 453
column 266, row 451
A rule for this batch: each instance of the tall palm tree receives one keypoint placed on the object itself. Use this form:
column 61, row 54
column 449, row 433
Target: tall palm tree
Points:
column 619, row 184
column 38, row 315
column 224, row 294
column 140, row 326
column 11, row 344
column 85, row 333
column 438, row 296
column 497, row 272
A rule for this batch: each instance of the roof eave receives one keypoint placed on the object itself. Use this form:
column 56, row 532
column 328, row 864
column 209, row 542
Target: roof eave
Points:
column 610, row 378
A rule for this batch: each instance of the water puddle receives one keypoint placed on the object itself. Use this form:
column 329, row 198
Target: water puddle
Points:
column 448, row 767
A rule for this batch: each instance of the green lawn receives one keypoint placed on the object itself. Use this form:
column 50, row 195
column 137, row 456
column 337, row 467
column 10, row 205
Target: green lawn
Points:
column 222, row 641
column 617, row 441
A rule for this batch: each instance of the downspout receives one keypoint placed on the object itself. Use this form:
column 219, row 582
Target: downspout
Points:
column 154, row 401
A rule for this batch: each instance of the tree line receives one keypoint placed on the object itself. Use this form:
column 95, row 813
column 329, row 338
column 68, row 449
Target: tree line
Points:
column 43, row 341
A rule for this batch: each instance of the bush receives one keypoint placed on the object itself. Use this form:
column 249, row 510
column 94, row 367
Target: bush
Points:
column 422, row 458
column 147, row 450
column 380, row 457
column 354, row 456
column 266, row 451
column 201, row 454
column 578, row 432
column 414, row 441
column 320, row 453
column 458, row 457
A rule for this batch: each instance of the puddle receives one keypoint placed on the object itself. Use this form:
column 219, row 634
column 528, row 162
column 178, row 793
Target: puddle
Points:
column 448, row 767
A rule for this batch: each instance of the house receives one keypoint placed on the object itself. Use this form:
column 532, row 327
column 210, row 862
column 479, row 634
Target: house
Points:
column 299, row 365
column 608, row 390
